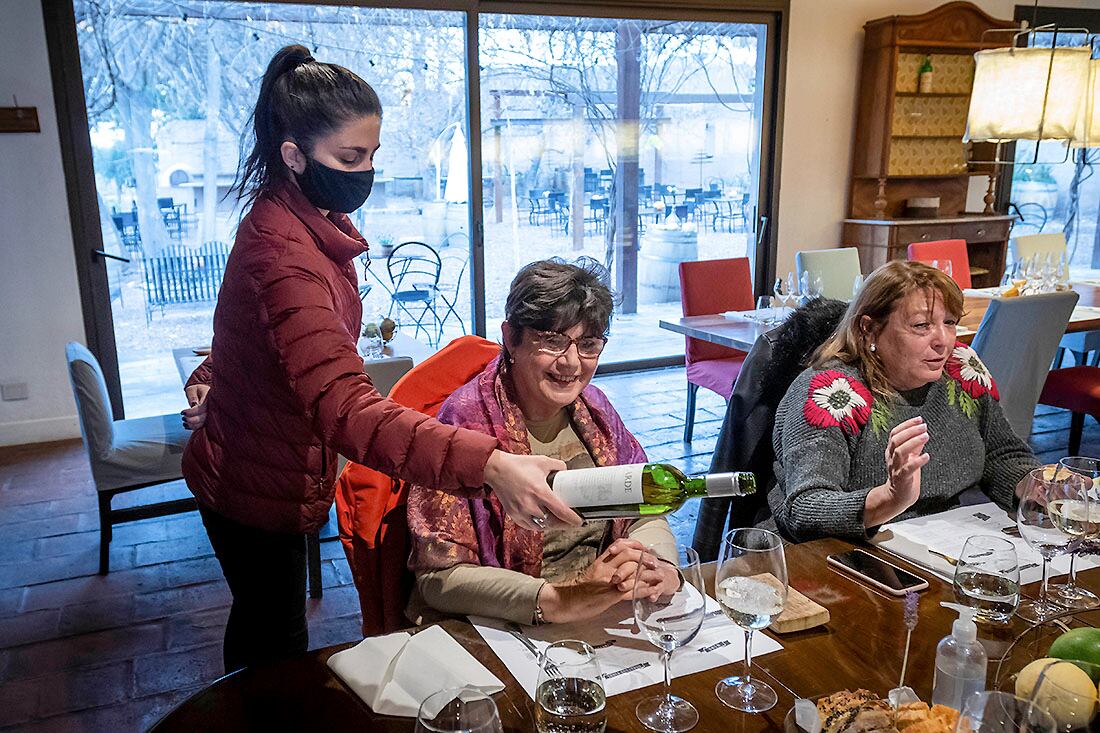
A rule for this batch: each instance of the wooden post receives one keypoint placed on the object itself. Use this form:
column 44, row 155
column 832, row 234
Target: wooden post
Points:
column 576, row 204
column 628, row 109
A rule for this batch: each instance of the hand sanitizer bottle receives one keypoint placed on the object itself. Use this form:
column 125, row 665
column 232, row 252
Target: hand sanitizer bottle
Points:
column 960, row 661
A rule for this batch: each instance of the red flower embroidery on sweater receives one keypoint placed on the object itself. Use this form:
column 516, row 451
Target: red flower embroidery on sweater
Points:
column 966, row 368
column 837, row 400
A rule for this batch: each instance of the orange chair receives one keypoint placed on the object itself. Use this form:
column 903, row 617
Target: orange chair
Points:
column 370, row 506
column 708, row 287
column 953, row 250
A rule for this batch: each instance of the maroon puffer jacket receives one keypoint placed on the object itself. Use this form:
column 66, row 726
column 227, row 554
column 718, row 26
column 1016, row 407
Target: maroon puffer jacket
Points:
column 287, row 388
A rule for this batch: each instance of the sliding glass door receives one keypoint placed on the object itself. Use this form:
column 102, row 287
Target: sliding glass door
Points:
column 632, row 142
column 169, row 88
column 640, row 141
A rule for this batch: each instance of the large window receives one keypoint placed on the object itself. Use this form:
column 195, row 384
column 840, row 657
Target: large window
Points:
column 639, row 142
column 633, row 142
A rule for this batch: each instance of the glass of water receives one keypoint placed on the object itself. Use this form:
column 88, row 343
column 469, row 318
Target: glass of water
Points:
column 458, row 710
column 987, row 578
column 751, row 587
column 569, row 695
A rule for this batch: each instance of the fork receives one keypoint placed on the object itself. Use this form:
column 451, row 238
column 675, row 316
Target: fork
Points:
column 517, row 633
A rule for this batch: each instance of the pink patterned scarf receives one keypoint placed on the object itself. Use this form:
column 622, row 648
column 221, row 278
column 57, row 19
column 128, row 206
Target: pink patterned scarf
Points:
column 447, row 530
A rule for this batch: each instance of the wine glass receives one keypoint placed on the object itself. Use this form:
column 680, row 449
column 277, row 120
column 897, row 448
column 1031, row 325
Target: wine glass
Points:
column 1053, row 511
column 764, row 311
column 987, row 578
column 818, row 286
column 780, row 294
column 1063, row 272
column 671, row 621
column 458, row 710
column 947, row 268
column 1069, row 594
column 1003, row 712
column 570, row 694
column 806, row 285
column 857, row 285
column 792, row 289
column 751, row 587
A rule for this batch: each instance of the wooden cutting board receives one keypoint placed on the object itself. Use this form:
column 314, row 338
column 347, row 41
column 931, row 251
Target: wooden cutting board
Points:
column 800, row 613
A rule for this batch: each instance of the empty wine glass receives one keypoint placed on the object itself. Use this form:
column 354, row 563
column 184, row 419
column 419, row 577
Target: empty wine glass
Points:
column 1069, row 594
column 804, row 281
column 1063, row 272
column 569, row 695
column 1053, row 511
column 458, row 710
column 857, row 285
column 947, row 267
column 764, row 310
column 1003, row 712
column 818, row 286
column 1006, row 279
column 792, row 289
column 987, row 578
column 671, row 621
column 751, row 587
column 779, row 293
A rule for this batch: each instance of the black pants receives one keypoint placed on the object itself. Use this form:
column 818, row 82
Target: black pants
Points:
column 266, row 572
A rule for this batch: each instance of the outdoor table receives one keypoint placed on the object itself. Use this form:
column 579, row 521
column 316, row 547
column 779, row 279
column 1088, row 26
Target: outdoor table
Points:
column 740, row 334
column 401, row 345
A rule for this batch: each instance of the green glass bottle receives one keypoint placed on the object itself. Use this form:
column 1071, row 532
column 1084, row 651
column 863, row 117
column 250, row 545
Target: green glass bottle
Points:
column 641, row 489
column 924, row 76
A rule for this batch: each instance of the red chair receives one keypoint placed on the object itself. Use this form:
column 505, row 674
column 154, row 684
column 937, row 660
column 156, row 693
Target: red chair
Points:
column 953, row 250
column 708, row 287
column 1076, row 389
column 370, row 506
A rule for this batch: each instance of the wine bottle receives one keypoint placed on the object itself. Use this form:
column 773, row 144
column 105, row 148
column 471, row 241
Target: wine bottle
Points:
column 924, row 78
column 641, row 489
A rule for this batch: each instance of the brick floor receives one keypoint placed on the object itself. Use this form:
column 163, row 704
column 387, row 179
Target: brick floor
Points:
column 83, row 652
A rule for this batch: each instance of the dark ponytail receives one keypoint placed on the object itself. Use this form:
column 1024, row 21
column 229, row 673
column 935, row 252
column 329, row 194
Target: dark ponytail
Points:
column 300, row 100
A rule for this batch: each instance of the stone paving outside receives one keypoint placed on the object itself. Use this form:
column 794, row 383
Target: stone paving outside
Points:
column 82, row 652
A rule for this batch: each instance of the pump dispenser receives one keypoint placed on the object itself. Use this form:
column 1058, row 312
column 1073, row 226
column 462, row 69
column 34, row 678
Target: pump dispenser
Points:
column 960, row 661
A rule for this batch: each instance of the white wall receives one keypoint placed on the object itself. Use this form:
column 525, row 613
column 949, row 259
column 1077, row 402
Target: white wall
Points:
column 39, row 301
column 823, row 60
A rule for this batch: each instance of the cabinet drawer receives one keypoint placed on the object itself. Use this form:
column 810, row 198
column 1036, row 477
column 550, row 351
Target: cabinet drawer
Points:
column 981, row 231
column 903, row 235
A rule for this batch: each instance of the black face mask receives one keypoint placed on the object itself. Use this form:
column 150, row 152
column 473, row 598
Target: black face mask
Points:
column 332, row 189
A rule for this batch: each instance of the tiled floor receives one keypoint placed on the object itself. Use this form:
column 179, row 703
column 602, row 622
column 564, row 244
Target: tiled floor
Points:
column 83, row 652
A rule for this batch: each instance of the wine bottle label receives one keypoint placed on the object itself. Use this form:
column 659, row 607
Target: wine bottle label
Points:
column 604, row 486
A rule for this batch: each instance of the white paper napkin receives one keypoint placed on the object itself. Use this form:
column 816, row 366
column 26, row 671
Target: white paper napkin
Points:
column 394, row 673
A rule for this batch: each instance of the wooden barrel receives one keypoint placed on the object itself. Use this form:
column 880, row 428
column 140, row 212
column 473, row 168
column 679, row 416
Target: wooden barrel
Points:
column 659, row 261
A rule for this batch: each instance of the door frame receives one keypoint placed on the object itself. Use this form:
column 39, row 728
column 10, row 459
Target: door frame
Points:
column 76, row 149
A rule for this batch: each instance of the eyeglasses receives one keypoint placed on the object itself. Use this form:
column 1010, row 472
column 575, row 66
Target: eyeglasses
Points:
column 556, row 344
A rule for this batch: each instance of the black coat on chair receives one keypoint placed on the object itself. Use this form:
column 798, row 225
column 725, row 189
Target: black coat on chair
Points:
column 745, row 442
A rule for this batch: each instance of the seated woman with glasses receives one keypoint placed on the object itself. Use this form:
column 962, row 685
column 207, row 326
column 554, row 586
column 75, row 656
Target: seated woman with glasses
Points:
column 536, row 397
column 894, row 418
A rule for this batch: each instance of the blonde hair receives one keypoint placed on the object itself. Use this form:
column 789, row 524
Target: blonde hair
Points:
column 882, row 292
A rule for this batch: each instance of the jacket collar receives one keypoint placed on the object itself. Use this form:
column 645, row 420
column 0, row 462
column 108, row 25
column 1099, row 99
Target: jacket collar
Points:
column 335, row 235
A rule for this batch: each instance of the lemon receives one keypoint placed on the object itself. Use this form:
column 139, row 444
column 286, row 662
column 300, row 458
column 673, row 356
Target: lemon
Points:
column 1066, row 692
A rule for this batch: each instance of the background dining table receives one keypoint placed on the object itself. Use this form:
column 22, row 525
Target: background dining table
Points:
column 738, row 333
column 861, row 646
column 188, row 358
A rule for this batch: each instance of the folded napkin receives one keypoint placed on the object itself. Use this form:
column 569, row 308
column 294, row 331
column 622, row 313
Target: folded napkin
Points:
column 394, row 673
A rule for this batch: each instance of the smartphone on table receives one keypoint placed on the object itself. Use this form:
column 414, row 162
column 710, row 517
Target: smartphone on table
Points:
column 876, row 571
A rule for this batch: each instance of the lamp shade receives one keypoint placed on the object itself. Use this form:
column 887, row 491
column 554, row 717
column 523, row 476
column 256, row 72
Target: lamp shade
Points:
column 1087, row 134
column 1012, row 99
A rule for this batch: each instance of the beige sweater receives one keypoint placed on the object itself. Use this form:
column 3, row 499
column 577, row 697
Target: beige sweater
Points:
column 510, row 595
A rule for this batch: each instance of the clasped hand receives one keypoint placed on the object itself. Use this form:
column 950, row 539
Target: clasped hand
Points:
column 610, row 579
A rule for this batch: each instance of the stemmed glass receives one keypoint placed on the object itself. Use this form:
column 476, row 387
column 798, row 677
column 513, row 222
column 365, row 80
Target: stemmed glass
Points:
column 780, row 294
column 751, row 587
column 765, row 310
column 1053, row 511
column 1069, row 594
column 671, row 621
column 818, row 286
column 569, row 694
column 792, row 289
column 857, row 285
column 1003, row 712
column 458, row 710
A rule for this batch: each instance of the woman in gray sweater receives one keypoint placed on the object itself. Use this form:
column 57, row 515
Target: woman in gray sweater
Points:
column 894, row 419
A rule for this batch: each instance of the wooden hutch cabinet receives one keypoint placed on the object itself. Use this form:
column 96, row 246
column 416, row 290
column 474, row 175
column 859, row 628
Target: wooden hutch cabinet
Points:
column 909, row 142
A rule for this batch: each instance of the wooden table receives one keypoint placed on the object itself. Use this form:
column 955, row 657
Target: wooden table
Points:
column 401, row 345
column 740, row 334
column 860, row 647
